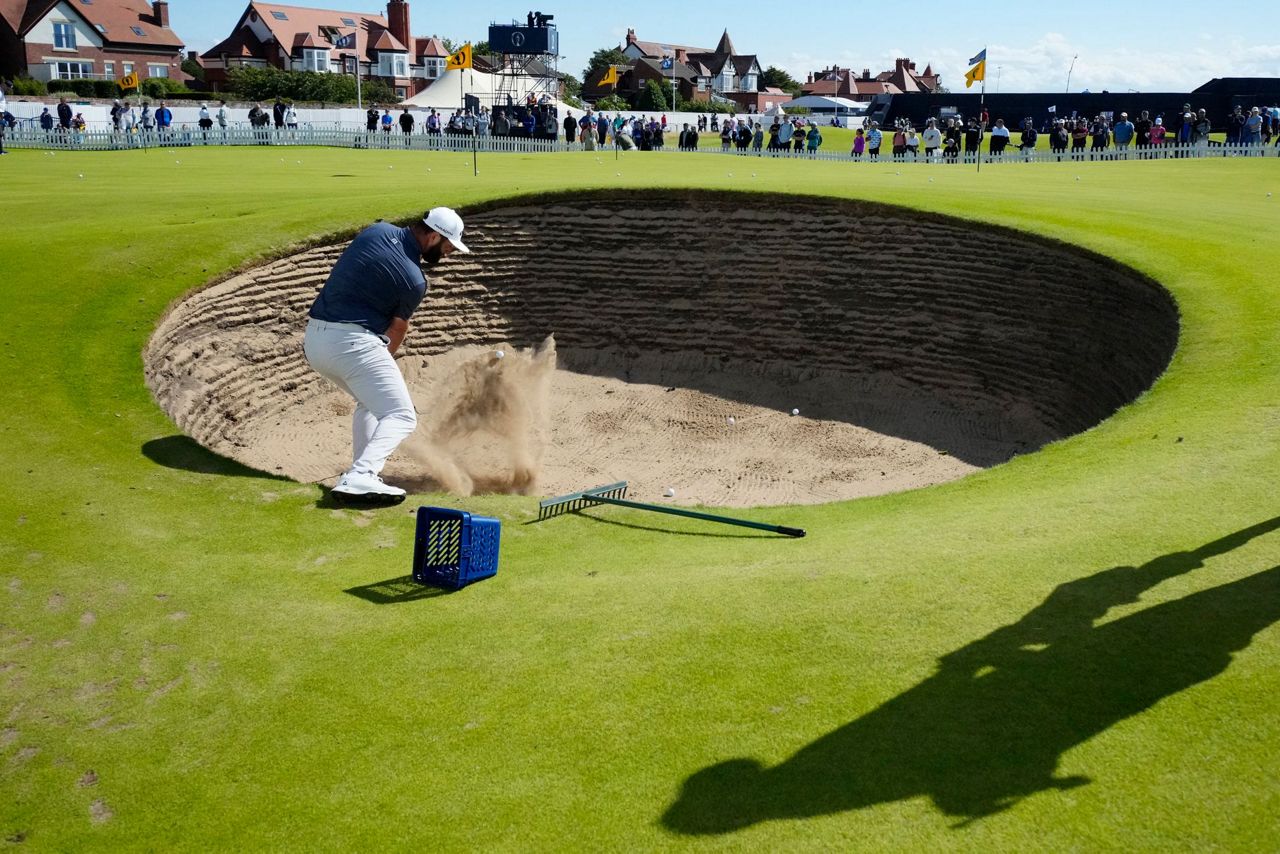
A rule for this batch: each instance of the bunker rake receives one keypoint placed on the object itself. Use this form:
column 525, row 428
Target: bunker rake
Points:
column 614, row 494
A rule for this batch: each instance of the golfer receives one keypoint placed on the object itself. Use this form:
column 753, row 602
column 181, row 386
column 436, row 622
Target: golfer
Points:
column 359, row 321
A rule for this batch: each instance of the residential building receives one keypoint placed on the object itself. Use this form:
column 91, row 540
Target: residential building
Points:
column 840, row 82
column 297, row 38
column 701, row 74
column 94, row 39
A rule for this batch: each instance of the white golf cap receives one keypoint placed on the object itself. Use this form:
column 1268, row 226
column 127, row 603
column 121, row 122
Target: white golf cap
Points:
column 447, row 223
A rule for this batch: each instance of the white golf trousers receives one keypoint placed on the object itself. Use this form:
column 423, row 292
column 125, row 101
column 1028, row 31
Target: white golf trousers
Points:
column 358, row 362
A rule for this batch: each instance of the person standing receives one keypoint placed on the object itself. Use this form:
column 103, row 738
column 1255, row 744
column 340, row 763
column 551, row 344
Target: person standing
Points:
column 64, row 115
column 406, row 126
column 277, row 114
column 117, row 116
column 290, row 117
column 1123, row 132
column 371, row 119
column 1142, row 130
column 570, row 127
column 999, row 138
column 164, row 119
column 222, row 118
column 874, row 138
column 932, row 140
column 358, row 322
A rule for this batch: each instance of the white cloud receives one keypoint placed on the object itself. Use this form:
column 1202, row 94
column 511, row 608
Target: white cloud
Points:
column 1042, row 66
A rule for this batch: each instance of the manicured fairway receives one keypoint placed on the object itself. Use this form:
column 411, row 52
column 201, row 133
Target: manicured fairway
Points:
column 190, row 657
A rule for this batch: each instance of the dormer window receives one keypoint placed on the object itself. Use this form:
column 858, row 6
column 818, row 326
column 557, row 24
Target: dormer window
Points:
column 348, row 22
column 137, row 31
column 279, row 16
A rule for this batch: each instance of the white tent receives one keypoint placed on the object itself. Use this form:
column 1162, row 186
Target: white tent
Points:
column 447, row 92
column 824, row 105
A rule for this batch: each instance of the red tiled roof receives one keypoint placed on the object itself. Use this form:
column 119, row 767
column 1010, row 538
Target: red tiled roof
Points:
column 113, row 19
column 433, row 46
column 302, row 19
column 385, row 41
column 242, row 43
column 662, row 48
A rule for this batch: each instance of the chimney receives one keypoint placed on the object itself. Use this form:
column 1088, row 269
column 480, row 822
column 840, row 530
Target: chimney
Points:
column 160, row 10
column 398, row 21
column 866, row 74
column 631, row 36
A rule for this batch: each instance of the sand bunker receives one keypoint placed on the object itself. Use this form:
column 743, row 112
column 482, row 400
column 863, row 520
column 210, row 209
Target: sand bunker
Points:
column 917, row 348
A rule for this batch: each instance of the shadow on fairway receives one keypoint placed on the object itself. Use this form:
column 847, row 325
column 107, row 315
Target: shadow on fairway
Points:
column 989, row 726
column 186, row 454
column 394, row 591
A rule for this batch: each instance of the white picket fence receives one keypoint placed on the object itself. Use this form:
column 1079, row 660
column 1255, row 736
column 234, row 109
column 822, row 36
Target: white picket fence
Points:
column 338, row 135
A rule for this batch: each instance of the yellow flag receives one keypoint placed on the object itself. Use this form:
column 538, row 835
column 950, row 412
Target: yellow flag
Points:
column 973, row 75
column 610, row 77
column 461, row 59
column 129, row 81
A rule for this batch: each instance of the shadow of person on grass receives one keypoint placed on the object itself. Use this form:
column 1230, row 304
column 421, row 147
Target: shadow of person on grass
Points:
column 989, row 726
column 186, row 454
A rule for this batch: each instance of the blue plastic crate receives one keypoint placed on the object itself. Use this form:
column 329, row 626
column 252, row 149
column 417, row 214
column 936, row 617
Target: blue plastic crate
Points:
column 454, row 548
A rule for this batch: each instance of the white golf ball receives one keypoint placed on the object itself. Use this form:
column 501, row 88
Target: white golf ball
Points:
column 391, row 167
column 795, row 412
column 82, row 175
column 1268, row 195
column 178, row 162
column 1077, row 177
column 668, row 493
column 730, row 174
column 732, row 420
column 930, row 180
column 619, row 174
column 500, row 354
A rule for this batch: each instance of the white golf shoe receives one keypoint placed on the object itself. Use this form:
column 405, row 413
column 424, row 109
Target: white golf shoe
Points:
column 360, row 483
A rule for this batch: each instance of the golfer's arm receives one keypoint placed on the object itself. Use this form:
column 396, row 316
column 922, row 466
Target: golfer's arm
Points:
column 396, row 332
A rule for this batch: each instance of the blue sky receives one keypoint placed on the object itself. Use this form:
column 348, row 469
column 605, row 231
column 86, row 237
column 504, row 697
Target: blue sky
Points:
column 1173, row 45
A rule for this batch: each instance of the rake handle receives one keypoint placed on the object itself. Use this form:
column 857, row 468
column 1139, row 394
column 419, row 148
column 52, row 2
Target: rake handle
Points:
column 694, row 514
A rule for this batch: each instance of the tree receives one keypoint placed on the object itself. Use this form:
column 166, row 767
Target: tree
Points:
column 779, row 79
column 602, row 59
column 653, row 97
column 613, row 104
column 193, row 69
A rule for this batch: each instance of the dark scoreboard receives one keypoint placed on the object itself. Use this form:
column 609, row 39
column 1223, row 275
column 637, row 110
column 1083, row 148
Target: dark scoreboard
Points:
column 513, row 39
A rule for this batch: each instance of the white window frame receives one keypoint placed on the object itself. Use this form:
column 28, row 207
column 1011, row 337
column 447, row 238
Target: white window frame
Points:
column 315, row 59
column 64, row 35
column 127, row 67
column 391, row 64
column 153, row 67
column 109, row 69
column 434, row 67
column 71, row 69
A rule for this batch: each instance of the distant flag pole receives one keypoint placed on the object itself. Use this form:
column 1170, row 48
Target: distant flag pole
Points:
column 978, row 73
column 462, row 60
column 349, row 41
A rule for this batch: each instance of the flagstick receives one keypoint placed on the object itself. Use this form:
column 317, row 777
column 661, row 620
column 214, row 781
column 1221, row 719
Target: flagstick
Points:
column 982, row 102
column 475, row 144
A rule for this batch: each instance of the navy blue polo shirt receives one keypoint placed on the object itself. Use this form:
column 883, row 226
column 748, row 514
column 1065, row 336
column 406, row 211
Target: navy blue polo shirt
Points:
column 378, row 277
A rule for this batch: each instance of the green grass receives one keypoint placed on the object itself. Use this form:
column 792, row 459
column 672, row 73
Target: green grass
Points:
column 180, row 628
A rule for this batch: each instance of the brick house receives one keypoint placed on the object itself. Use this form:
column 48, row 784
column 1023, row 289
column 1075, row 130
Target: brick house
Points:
column 88, row 39
column 839, row 82
column 297, row 38
column 701, row 74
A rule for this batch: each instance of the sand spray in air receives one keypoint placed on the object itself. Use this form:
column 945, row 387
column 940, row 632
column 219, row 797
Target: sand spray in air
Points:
column 486, row 429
